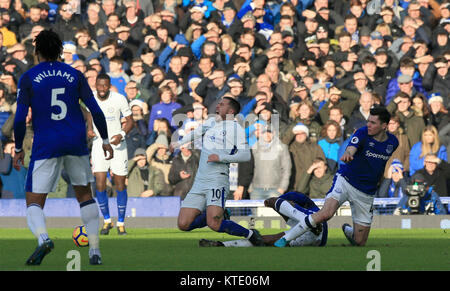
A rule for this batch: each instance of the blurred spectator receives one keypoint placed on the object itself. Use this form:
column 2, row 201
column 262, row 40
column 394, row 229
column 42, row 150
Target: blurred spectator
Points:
column 330, row 141
column 143, row 180
column 429, row 144
column 436, row 78
column 12, row 181
column 401, row 154
column 158, row 157
column 68, row 23
column 9, row 37
column 303, row 151
column 411, row 123
column 305, row 114
column 20, row 58
column 407, row 81
column 421, row 107
column 183, row 170
column 142, row 79
column 346, row 100
column 439, row 116
column 394, row 183
column 212, row 88
column 119, row 78
column 164, row 108
column 85, row 46
column 33, row 19
column 436, row 173
column 317, row 180
column 272, row 167
column 360, row 116
column 69, row 52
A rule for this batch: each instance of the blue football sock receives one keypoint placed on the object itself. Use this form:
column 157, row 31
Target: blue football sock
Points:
column 122, row 198
column 199, row 221
column 232, row 228
column 102, row 200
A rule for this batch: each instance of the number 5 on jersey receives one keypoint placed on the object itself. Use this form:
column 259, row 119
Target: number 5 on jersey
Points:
column 58, row 103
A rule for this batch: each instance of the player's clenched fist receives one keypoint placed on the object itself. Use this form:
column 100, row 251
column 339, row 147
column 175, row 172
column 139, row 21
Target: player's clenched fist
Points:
column 109, row 153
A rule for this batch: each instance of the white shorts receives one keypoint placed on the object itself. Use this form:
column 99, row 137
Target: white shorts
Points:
column 361, row 204
column 43, row 175
column 200, row 199
column 118, row 164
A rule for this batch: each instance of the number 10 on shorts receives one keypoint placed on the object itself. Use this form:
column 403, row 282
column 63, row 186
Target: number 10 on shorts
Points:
column 218, row 195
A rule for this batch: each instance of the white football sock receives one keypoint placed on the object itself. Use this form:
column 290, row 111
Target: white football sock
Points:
column 296, row 231
column 250, row 233
column 348, row 230
column 311, row 221
column 36, row 222
column 238, row 243
column 290, row 211
column 90, row 218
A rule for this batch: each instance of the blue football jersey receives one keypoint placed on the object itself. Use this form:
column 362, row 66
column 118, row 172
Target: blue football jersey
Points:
column 367, row 167
column 53, row 90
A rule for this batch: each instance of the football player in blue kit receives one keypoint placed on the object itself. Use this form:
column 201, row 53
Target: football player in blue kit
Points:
column 356, row 181
column 53, row 91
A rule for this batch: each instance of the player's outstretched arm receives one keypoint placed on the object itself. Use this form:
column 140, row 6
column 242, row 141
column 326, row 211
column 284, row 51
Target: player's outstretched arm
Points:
column 348, row 154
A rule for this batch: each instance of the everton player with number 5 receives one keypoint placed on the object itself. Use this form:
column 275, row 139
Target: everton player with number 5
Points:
column 356, row 181
column 53, row 91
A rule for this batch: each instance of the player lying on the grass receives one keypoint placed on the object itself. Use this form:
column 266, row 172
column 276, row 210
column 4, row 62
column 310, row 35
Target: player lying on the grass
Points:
column 288, row 206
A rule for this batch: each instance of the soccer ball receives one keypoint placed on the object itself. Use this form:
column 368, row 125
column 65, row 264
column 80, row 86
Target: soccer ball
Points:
column 80, row 237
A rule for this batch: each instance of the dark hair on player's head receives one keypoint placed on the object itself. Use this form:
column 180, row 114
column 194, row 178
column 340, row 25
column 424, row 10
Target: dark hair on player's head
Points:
column 234, row 104
column 383, row 114
column 48, row 45
column 103, row 76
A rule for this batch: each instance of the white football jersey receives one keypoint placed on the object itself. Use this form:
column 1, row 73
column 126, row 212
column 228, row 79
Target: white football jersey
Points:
column 114, row 108
column 223, row 138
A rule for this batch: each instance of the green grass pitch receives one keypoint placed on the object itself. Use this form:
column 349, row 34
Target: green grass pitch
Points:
column 173, row 250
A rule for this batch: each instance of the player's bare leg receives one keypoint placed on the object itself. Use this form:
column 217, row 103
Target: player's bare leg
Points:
column 356, row 235
column 186, row 217
column 36, row 222
column 214, row 217
column 90, row 217
column 328, row 210
column 360, row 234
column 122, row 198
column 270, row 239
column 102, row 199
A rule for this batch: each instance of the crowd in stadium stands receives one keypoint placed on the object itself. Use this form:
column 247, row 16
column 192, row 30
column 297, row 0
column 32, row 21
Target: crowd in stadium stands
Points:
column 306, row 73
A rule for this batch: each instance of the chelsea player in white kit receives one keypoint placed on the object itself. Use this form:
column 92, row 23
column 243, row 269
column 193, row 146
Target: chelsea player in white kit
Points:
column 53, row 90
column 223, row 143
column 356, row 181
column 113, row 105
